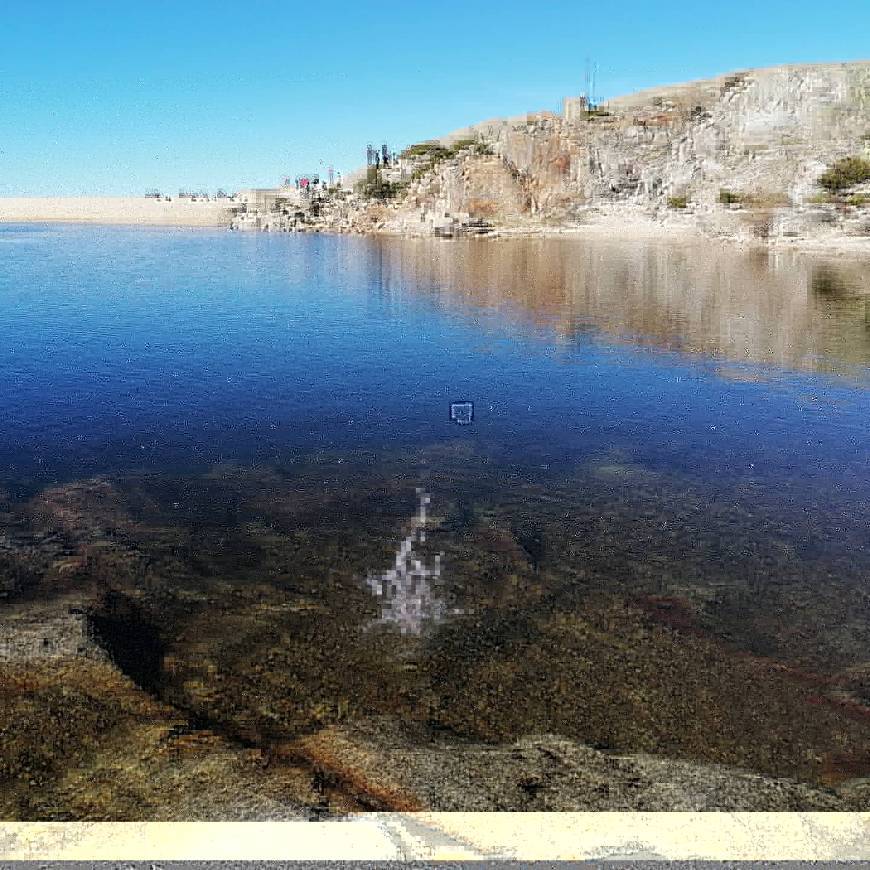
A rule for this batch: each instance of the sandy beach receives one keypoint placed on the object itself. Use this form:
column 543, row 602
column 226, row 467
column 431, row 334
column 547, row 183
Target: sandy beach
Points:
column 114, row 210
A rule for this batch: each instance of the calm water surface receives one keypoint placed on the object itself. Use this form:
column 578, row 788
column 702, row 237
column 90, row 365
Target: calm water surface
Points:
column 664, row 490
column 149, row 349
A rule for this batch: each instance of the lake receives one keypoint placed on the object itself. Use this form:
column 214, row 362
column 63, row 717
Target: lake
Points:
column 228, row 450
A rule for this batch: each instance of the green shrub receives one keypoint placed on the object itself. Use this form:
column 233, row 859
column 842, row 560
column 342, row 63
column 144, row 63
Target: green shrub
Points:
column 461, row 144
column 820, row 199
column 375, row 187
column 677, row 202
column 728, row 197
column 845, row 173
column 434, row 153
column 474, row 145
column 858, row 200
column 766, row 199
column 433, row 150
column 385, row 189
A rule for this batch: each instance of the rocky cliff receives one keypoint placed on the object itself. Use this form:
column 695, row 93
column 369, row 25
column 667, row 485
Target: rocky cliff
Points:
column 743, row 151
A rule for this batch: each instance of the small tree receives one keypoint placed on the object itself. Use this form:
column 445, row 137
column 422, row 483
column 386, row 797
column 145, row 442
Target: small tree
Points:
column 433, row 150
column 376, row 187
column 845, row 173
column 461, row 144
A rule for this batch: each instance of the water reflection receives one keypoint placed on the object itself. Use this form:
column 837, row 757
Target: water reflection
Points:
column 778, row 309
column 641, row 552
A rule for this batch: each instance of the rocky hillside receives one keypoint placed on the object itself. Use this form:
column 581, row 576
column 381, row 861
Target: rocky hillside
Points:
column 745, row 150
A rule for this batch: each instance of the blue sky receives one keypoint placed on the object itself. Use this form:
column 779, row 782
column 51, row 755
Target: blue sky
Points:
column 113, row 98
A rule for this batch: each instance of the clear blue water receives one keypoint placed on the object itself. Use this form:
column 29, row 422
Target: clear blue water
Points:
column 667, row 471
column 152, row 349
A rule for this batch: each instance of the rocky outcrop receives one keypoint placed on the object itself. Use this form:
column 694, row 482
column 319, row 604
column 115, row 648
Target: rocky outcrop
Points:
column 52, row 631
column 764, row 132
column 233, row 662
column 545, row 773
column 740, row 154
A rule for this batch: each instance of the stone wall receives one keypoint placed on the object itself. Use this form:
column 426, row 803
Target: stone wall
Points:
column 117, row 210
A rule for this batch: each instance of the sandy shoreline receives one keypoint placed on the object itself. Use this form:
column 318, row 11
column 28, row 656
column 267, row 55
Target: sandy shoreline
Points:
column 632, row 231
column 139, row 211
column 644, row 230
column 114, row 210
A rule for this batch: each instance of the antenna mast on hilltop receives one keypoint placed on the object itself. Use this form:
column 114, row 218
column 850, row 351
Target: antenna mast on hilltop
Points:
column 591, row 73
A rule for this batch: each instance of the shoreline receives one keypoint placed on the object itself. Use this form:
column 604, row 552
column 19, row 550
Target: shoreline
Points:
column 114, row 211
column 139, row 211
column 644, row 230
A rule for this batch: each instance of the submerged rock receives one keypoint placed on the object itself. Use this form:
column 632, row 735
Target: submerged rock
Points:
column 82, row 742
column 232, row 662
column 547, row 773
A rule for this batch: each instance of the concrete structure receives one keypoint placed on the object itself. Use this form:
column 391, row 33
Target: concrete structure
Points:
column 575, row 109
column 259, row 198
column 117, row 210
